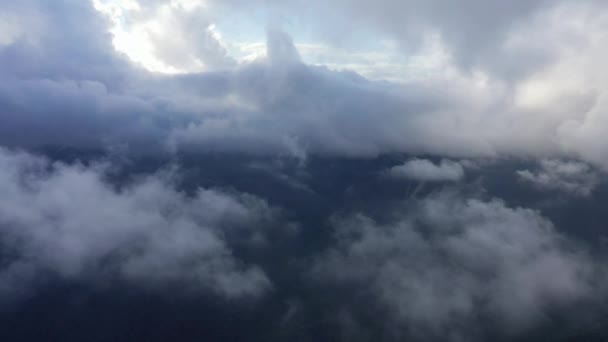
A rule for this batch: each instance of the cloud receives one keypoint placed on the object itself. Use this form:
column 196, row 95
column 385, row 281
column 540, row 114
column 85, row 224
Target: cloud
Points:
column 170, row 37
column 280, row 48
column 476, row 33
column 567, row 176
column 46, row 45
column 60, row 221
column 473, row 79
column 280, row 105
column 308, row 109
column 426, row 171
column 450, row 267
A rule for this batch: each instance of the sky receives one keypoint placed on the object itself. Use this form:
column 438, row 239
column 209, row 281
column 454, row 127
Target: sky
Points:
column 205, row 170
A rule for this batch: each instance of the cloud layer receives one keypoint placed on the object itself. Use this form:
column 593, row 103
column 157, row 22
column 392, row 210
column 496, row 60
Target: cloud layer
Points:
column 570, row 177
column 68, row 222
column 449, row 267
column 408, row 88
column 278, row 105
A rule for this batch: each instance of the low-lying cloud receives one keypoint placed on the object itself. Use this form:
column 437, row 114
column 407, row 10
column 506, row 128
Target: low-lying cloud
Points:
column 426, row 171
column 67, row 222
column 449, row 267
column 571, row 177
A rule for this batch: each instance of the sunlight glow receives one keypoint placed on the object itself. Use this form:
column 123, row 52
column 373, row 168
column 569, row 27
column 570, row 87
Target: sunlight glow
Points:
column 134, row 37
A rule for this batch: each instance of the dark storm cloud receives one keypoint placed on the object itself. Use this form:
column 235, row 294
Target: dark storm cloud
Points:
column 67, row 222
column 62, row 78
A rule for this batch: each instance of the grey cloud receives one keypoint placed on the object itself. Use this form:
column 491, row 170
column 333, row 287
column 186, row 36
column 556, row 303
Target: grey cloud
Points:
column 426, row 170
column 66, row 221
column 477, row 33
column 449, row 266
column 71, row 113
column 294, row 108
column 568, row 176
column 65, row 39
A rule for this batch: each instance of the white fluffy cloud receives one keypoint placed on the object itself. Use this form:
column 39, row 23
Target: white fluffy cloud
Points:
column 65, row 221
column 447, row 265
column 170, row 37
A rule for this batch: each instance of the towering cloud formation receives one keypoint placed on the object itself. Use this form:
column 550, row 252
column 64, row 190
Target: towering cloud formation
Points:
column 281, row 105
